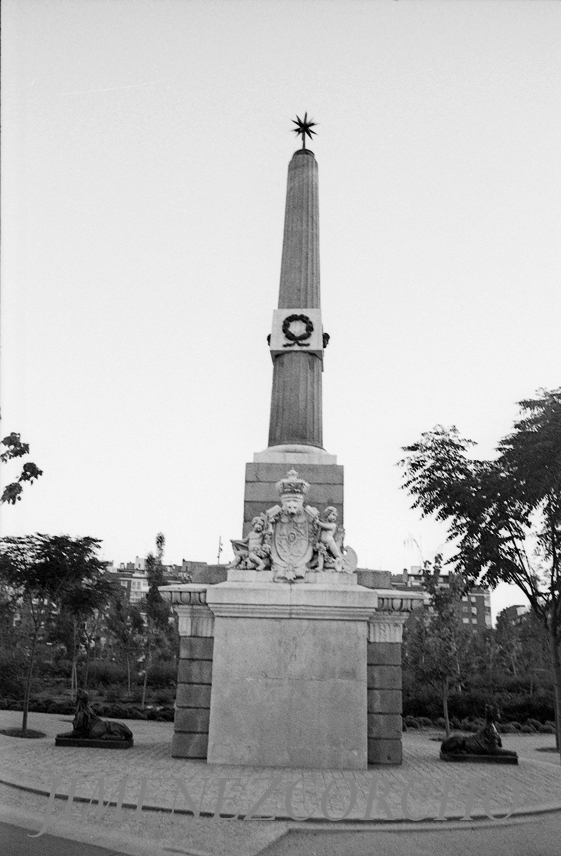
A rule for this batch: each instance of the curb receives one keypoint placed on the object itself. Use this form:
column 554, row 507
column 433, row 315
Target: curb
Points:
column 353, row 824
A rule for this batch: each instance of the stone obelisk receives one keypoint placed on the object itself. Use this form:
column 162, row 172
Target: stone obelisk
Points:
column 290, row 662
column 296, row 412
column 297, row 346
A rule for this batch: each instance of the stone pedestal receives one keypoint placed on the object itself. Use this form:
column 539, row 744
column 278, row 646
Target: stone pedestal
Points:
column 194, row 671
column 384, row 688
column 289, row 674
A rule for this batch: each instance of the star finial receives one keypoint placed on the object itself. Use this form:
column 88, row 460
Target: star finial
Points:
column 303, row 128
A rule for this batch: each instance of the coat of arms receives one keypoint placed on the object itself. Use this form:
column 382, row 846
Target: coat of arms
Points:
column 292, row 538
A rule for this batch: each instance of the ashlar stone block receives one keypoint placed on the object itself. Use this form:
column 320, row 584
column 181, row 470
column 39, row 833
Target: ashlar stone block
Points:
column 383, row 654
column 193, row 695
column 263, row 472
column 185, row 745
column 193, row 719
column 385, row 701
column 384, row 751
column 194, row 672
column 196, row 647
column 384, row 677
column 384, row 726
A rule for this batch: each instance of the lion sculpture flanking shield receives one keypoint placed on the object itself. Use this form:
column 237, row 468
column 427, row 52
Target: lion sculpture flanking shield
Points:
column 292, row 538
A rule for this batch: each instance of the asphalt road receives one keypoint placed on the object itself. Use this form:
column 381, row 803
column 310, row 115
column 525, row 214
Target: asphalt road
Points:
column 539, row 835
column 16, row 841
column 535, row 836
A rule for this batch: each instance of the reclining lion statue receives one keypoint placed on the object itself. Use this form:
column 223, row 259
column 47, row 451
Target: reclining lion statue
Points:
column 486, row 741
column 87, row 725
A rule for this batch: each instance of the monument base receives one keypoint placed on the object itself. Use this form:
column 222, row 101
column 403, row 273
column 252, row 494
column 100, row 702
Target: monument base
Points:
column 289, row 686
column 94, row 744
column 481, row 759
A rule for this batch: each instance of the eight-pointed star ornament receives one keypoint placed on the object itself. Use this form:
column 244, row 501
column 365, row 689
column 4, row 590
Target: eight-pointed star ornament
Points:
column 304, row 128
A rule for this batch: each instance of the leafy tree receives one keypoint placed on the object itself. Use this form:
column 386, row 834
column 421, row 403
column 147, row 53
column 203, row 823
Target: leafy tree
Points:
column 125, row 624
column 16, row 449
column 436, row 641
column 534, row 650
column 44, row 574
column 484, row 658
column 503, row 515
column 80, row 601
column 510, row 648
column 92, row 630
column 157, row 610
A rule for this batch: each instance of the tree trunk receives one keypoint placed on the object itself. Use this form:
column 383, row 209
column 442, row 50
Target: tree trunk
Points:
column 445, row 708
column 146, row 666
column 74, row 669
column 556, row 668
column 87, row 667
column 28, row 683
column 128, row 674
column 73, row 680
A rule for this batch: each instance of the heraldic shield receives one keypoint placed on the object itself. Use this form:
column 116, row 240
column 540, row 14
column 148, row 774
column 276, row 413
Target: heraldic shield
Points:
column 292, row 544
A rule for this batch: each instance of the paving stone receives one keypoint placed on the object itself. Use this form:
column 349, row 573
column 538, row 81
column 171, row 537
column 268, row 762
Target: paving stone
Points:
column 32, row 764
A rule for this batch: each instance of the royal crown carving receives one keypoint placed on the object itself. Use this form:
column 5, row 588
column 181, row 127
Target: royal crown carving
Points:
column 291, row 539
column 292, row 484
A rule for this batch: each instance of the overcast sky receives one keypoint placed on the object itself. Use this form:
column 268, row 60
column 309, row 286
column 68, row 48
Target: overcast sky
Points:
column 145, row 150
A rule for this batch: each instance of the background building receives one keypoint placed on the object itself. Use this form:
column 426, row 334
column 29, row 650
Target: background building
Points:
column 515, row 615
column 475, row 610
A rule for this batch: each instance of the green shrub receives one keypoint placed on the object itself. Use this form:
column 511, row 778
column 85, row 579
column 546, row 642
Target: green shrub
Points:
column 507, row 728
column 164, row 697
column 526, row 728
column 546, row 728
column 470, row 704
column 113, row 694
column 162, row 675
column 103, row 673
column 134, row 697
column 12, row 676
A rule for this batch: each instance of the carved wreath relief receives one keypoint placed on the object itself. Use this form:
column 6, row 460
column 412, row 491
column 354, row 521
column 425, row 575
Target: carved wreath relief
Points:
column 293, row 538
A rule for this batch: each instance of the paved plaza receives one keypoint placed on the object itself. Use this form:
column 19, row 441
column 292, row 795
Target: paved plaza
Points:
column 382, row 798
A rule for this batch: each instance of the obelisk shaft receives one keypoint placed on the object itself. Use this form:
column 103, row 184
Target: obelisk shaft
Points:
column 296, row 402
column 299, row 282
